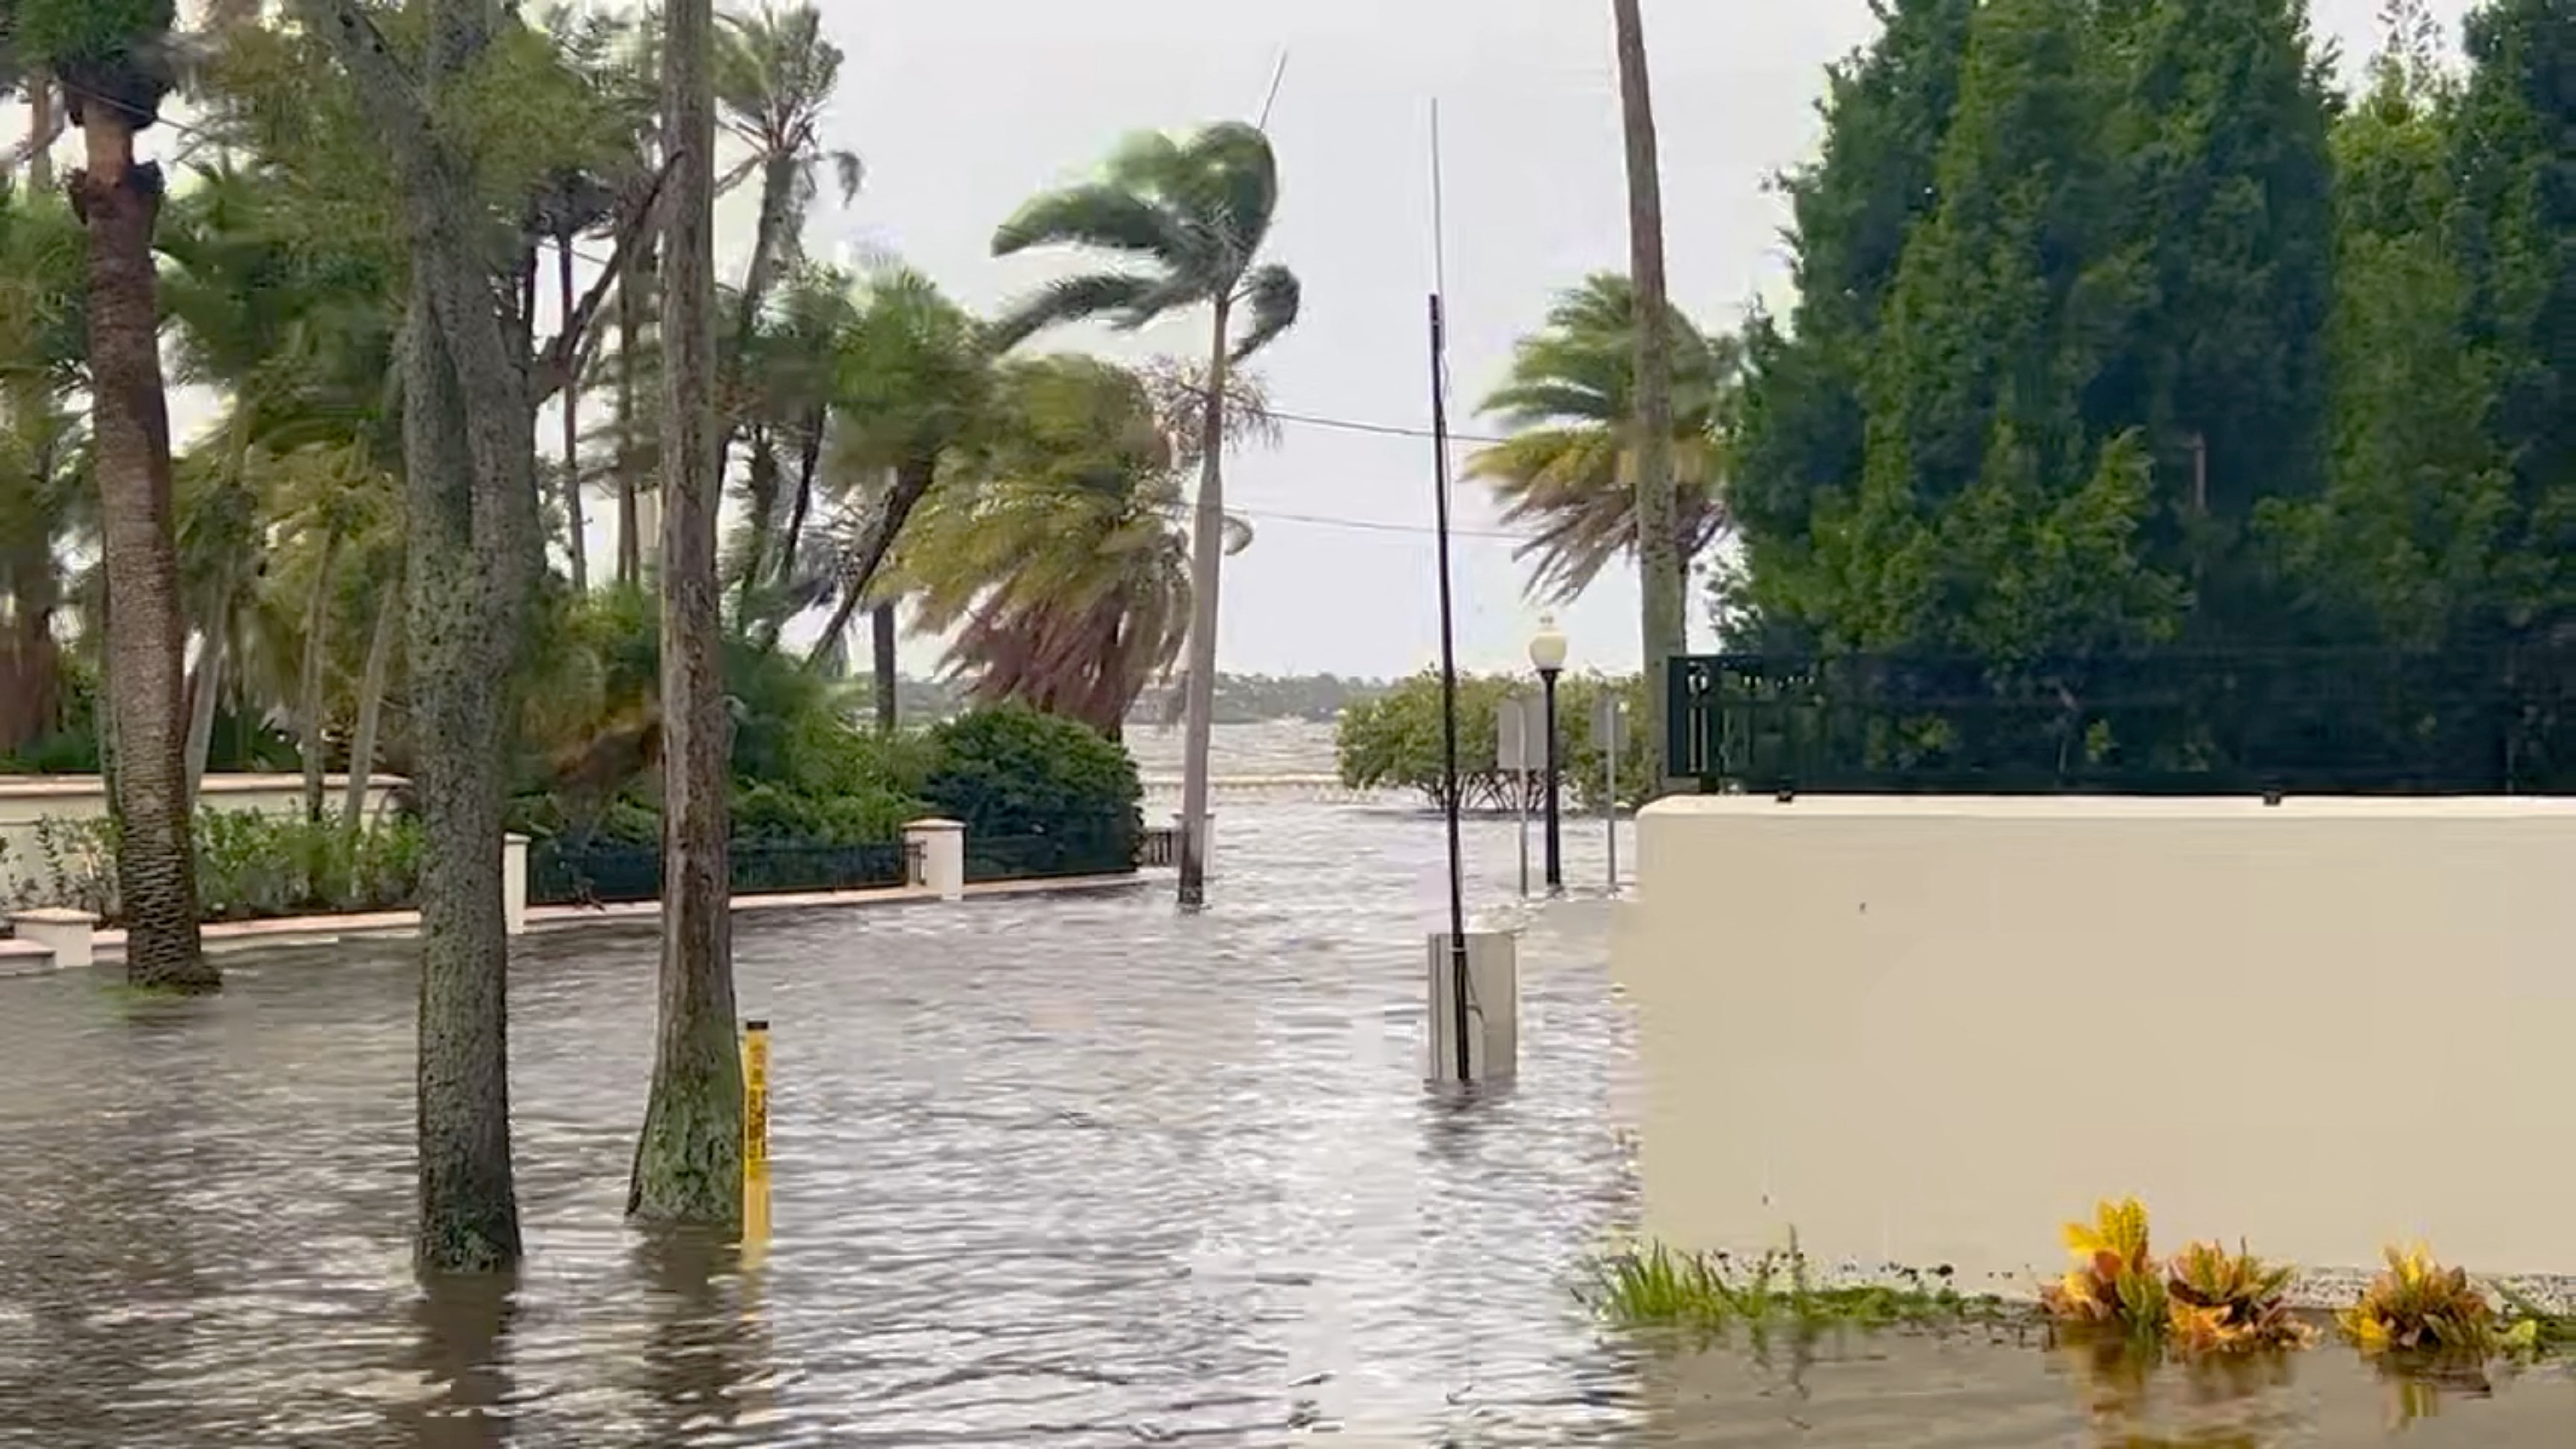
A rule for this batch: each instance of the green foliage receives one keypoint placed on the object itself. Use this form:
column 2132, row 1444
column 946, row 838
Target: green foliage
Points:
column 1396, row 740
column 250, row 865
column 1010, row 771
column 1658, row 1287
column 2055, row 257
column 1570, row 467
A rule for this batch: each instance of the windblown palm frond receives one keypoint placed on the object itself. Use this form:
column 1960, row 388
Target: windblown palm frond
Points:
column 1569, row 469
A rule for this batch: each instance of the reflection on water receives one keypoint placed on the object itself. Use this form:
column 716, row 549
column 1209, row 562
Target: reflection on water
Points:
column 1074, row 1171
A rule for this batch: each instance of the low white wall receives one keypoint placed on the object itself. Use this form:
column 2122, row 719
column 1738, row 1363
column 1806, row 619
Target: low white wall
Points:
column 1928, row 1031
column 26, row 799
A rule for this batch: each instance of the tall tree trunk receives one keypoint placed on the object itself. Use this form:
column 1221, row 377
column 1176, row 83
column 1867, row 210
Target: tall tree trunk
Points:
column 760, row 498
column 577, row 542
column 155, row 863
column 475, row 552
column 1207, row 557
column 317, row 627
column 631, row 297
column 881, row 638
column 30, row 660
column 809, row 460
column 44, row 127
column 371, row 713
column 688, row 1159
column 912, row 481
column 1663, row 584
column 205, row 694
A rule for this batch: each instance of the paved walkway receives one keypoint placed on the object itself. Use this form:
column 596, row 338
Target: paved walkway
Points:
column 231, row 936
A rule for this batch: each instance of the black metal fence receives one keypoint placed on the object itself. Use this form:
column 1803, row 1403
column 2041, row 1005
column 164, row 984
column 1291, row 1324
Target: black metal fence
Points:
column 2178, row 722
column 1158, row 848
column 600, row 874
column 1098, row 851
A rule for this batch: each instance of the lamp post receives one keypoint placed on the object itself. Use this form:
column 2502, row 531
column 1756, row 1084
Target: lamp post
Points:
column 1547, row 654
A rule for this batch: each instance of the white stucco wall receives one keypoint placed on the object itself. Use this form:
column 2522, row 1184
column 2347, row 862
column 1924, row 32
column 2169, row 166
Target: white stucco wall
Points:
column 26, row 799
column 1930, row 1030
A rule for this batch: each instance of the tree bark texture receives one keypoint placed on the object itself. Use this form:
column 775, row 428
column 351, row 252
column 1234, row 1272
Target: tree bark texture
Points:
column 881, row 638
column 474, row 552
column 1207, row 557
column 146, row 646
column 1663, row 583
column 688, row 1160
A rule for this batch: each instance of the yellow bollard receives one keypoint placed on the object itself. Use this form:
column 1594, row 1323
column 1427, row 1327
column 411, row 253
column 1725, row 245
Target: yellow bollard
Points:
column 755, row 1132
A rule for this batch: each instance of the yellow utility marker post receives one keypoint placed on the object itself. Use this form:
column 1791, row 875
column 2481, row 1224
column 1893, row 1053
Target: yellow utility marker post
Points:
column 755, row 1133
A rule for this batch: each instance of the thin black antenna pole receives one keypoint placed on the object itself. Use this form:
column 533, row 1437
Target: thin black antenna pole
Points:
column 1449, row 691
column 1449, row 792
column 1270, row 97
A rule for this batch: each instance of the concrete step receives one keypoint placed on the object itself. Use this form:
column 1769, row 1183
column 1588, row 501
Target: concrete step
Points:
column 24, row 958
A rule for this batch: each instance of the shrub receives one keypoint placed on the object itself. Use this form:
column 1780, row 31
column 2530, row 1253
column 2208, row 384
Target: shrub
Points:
column 1010, row 772
column 2116, row 1281
column 2225, row 1302
column 2418, row 1306
column 249, row 865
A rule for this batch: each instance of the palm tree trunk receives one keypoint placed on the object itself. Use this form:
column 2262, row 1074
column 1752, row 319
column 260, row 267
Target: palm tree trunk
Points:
column 1207, row 556
column 881, row 632
column 1663, row 588
column 576, row 540
column 371, row 712
column 317, row 624
column 760, row 490
column 809, row 458
column 630, row 449
column 912, row 481
column 688, row 1159
column 155, row 862
column 44, row 125
column 205, row 692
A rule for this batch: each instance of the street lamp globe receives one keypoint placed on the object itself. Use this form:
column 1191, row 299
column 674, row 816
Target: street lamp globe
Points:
column 1547, row 646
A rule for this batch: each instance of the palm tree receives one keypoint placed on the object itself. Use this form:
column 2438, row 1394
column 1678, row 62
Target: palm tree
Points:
column 1192, row 215
column 114, row 68
column 1662, row 583
column 1055, row 560
column 915, row 383
column 774, row 73
column 1570, row 468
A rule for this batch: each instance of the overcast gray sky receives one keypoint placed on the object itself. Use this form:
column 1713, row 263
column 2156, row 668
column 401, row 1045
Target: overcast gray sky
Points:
column 963, row 108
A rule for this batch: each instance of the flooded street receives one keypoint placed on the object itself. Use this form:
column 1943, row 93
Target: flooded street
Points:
column 1071, row 1171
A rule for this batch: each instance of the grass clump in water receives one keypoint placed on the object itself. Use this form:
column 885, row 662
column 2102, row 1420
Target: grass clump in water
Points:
column 1655, row 1286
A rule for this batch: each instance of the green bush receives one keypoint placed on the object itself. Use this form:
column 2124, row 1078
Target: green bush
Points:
column 249, row 866
column 1394, row 741
column 1010, row 772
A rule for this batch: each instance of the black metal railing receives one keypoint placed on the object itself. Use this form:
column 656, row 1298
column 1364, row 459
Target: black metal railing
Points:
column 2177, row 722
column 1158, row 848
column 599, row 874
column 1051, row 856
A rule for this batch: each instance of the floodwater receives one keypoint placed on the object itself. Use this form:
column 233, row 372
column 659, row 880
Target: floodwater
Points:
column 1072, row 1171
